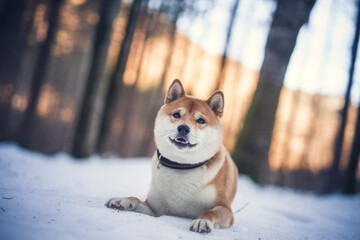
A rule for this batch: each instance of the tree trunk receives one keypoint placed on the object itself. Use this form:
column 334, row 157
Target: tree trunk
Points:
column 15, row 30
column 88, row 126
column 10, row 32
column 253, row 143
column 334, row 171
column 25, row 137
column 350, row 177
column 157, row 93
column 227, row 42
column 117, row 77
column 349, row 186
column 128, row 115
column 178, row 9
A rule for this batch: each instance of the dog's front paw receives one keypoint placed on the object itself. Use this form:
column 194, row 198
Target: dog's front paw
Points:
column 201, row 226
column 128, row 204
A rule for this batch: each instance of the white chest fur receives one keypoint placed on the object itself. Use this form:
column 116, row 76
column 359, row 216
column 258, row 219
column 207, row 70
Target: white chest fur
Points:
column 185, row 193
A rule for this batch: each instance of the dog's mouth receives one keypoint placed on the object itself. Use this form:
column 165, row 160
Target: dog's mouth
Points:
column 181, row 142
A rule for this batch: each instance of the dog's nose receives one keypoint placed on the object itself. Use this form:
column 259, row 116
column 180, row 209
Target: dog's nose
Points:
column 183, row 129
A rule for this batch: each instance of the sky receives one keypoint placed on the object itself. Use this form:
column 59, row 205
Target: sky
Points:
column 321, row 59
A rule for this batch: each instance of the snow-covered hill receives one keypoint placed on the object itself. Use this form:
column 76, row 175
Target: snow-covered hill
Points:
column 44, row 197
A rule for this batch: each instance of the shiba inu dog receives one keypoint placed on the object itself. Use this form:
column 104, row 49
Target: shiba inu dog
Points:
column 193, row 175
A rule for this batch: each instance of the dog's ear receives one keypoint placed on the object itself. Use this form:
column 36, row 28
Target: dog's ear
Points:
column 216, row 103
column 176, row 91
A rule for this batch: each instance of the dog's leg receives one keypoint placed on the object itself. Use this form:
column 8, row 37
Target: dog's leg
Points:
column 219, row 216
column 130, row 204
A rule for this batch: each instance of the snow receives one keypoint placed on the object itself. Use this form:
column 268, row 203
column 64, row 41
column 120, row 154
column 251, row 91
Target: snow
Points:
column 55, row 197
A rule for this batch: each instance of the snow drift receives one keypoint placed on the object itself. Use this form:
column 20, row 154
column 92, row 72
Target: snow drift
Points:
column 56, row 197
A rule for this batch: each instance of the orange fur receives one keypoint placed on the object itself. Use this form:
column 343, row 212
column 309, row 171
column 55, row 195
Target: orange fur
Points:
column 204, row 193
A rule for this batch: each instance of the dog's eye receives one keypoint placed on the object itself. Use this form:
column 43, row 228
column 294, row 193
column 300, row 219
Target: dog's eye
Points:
column 201, row 121
column 176, row 115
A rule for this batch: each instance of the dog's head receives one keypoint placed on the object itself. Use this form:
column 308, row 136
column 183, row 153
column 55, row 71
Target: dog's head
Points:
column 187, row 129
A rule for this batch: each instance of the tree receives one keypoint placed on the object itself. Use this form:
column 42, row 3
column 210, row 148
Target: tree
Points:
column 350, row 176
column 152, row 26
column 177, row 8
column 88, row 126
column 16, row 21
column 38, row 77
column 11, row 21
column 117, row 77
column 334, row 174
column 253, row 143
column 227, row 42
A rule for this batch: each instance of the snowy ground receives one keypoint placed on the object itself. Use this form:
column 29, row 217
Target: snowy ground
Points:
column 44, row 197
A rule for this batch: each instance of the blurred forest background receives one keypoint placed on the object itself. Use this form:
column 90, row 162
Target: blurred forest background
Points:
column 88, row 76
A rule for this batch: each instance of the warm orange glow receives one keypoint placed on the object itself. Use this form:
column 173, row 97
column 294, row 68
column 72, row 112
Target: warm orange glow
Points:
column 66, row 115
column 129, row 77
column 75, row 29
column 65, row 46
column 77, row 2
column 19, row 102
column 134, row 59
column 305, row 130
column 40, row 24
column 305, row 125
column 239, row 87
column 153, row 66
column 198, row 71
column 47, row 100
column 117, row 37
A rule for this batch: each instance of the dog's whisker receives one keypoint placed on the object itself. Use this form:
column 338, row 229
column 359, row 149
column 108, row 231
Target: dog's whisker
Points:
column 166, row 133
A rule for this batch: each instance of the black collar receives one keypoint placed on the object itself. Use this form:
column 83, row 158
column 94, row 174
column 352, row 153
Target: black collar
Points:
column 175, row 165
